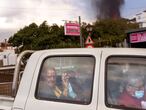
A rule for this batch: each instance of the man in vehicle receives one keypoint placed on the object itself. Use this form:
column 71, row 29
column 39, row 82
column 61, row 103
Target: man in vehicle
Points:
column 53, row 89
column 48, row 88
column 133, row 95
column 56, row 88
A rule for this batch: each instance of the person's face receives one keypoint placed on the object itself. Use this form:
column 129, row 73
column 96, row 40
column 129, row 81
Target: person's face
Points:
column 139, row 86
column 51, row 78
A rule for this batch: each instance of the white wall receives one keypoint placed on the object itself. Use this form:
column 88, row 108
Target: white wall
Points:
column 141, row 19
column 9, row 57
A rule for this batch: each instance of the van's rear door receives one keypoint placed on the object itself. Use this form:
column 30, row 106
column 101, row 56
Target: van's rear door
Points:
column 122, row 73
column 82, row 67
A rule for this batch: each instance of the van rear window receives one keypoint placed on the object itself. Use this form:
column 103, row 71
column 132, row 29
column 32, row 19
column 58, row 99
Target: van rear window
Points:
column 66, row 79
column 126, row 82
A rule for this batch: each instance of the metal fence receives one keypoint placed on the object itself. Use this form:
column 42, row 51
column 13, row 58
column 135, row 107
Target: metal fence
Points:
column 6, row 78
column 6, row 88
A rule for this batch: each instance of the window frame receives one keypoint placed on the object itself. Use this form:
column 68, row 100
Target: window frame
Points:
column 61, row 100
column 105, row 82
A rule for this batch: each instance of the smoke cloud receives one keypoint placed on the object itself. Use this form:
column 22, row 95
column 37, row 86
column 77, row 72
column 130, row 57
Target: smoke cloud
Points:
column 108, row 8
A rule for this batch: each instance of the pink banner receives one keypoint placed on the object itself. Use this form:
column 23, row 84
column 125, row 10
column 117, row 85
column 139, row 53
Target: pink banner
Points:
column 138, row 37
column 72, row 29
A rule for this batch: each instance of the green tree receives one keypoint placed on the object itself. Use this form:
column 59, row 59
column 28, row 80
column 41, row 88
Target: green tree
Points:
column 109, row 31
column 105, row 32
column 24, row 36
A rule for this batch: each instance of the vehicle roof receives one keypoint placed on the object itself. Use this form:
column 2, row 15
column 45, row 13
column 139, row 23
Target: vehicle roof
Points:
column 91, row 49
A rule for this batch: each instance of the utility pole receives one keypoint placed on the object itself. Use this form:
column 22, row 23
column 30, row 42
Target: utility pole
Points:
column 81, row 38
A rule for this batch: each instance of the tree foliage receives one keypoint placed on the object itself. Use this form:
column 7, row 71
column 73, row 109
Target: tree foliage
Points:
column 43, row 37
column 105, row 32
column 109, row 32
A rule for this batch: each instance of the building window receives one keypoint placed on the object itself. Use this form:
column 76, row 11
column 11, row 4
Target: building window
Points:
column 139, row 17
column 141, row 25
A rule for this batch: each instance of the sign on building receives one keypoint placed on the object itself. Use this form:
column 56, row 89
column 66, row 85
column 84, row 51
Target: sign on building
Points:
column 72, row 29
column 138, row 37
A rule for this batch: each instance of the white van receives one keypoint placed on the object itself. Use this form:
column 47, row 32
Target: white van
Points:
column 80, row 79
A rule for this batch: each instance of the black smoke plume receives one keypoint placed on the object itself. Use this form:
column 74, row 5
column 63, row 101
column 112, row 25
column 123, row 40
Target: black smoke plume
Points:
column 108, row 8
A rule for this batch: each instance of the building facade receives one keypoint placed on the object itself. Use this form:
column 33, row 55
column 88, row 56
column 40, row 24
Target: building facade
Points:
column 141, row 19
column 7, row 54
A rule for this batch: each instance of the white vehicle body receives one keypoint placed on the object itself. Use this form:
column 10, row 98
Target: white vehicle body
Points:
column 25, row 98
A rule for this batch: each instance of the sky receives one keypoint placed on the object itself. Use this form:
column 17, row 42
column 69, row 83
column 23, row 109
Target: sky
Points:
column 132, row 7
column 15, row 14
